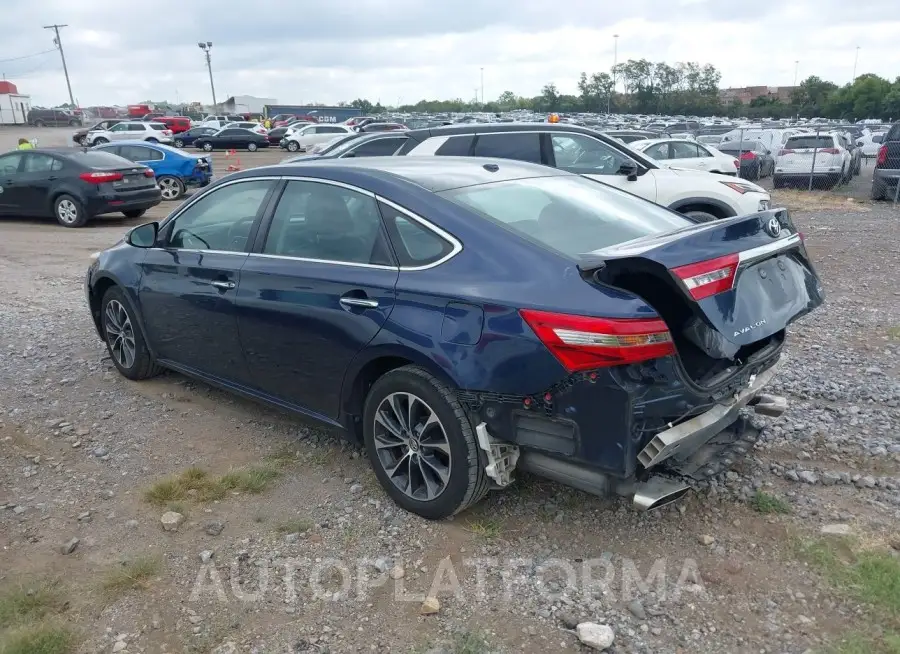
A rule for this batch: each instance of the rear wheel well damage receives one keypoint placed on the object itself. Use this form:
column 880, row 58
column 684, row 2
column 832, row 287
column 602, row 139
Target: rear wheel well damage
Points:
column 717, row 210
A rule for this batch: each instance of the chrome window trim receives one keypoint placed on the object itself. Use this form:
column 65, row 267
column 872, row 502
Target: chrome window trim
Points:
column 456, row 248
column 325, row 261
column 188, row 204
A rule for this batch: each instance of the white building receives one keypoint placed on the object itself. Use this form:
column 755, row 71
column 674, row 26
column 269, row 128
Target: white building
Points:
column 14, row 106
column 246, row 104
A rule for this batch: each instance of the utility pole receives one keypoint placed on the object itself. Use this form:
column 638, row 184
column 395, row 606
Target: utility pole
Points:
column 855, row 61
column 482, row 85
column 796, row 68
column 615, row 63
column 206, row 47
column 58, row 43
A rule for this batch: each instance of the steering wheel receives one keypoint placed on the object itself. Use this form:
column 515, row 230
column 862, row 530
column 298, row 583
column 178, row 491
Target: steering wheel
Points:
column 189, row 240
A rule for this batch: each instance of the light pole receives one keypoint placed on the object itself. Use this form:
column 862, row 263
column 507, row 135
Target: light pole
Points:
column 615, row 63
column 855, row 61
column 482, row 85
column 796, row 68
column 206, row 47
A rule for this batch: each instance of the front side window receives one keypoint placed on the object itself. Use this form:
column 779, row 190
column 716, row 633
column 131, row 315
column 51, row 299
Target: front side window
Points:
column 684, row 150
column 377, row 148
column 9, row 164
column 41, row 163
column 570, row 214
column 660, row 152
column 222, row 219
column 578, row 153
column 327, row 223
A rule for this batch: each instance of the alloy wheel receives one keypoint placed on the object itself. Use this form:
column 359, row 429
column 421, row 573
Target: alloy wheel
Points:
column 169, row 187
column 67, row 212
column 412, row 446
column 119, row 333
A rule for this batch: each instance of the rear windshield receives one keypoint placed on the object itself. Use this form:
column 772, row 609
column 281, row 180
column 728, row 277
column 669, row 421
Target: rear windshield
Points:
column 809, row 142
column 743, row 146
column 570, row 214
column 99, row 159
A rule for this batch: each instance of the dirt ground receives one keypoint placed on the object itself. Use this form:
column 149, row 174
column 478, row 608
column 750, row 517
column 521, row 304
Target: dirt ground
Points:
column 303, row 552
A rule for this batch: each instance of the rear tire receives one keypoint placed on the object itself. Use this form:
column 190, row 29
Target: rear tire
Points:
column 252, row 147
column 124, row 339
column 777, row 182
column 171, row 187
column 878, row 191
column 69, row 212
column 449, row 443
column 700, row 216
column 39, row 123
column 207, row 147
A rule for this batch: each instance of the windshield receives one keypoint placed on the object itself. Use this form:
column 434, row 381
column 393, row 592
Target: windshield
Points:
column 570, row 214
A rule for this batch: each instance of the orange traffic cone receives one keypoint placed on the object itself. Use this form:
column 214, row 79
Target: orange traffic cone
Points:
column 237, row 164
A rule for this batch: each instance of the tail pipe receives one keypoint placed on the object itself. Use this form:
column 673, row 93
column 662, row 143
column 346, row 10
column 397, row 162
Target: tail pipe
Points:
column 653, row 493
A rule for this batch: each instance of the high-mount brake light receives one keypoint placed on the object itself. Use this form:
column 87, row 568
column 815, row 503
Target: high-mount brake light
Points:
column 584, row 342
column 706, row 278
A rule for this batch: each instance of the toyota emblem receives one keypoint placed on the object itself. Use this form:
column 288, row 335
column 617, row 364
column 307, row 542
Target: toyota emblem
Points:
column 773, row 228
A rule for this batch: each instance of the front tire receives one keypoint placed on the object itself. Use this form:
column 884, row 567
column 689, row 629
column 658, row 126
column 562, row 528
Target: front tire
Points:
column 421, row 444
column 179, row 143
column 252, row 147
column 293, row 146
column 207, row 147
column 69, row 211
column 124, row 338
column 171, row 187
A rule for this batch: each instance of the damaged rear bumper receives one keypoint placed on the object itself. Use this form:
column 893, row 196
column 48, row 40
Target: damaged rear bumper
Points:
column 686, row 437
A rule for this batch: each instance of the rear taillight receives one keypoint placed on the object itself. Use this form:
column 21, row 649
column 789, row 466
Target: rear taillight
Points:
column 784, row 152
column 708, row 277
column 584, row 343
column 830, row 151
column 100, row 178
column 737, row 164
column 882, row 156
column 149, row 173
column 747, row 156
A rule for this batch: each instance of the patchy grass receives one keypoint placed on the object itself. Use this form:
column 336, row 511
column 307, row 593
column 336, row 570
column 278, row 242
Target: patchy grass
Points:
column 38, row 638
column 28, row 603
column 487, row 529
column 293, row 526
column 463, row 642
column 198, row 485
column 803, row 200
column 766, row 503
column 870, row 576
column 131, row 575
column 894, row 333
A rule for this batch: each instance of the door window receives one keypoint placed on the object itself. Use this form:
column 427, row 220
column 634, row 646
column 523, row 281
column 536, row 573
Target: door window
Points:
column 378, row 148
column 119, row 127
column 9, row 165
column 41, row 163
column 414, row 244
column 522, row 146
column 222, row 219
column 684, row 150
column 578, row 153
column 327, row 223
column 140, row 153
column 136, row 128
column 660, row 152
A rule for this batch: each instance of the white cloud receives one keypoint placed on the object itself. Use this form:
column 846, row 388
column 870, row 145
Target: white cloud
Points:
column 412, row 49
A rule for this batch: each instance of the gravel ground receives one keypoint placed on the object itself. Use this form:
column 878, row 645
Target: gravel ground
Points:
column 80, row 446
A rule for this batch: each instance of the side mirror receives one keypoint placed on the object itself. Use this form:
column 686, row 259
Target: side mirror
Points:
column 143, row 236
column 629, row 169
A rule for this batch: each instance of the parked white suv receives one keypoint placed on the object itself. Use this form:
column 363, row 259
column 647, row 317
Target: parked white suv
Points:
column 823, row 155
column 306, row 137
column 131, row 130
column 701, row 195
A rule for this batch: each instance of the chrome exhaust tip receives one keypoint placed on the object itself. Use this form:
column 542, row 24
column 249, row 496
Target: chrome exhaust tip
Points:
column 657, row 492
column 769, row 405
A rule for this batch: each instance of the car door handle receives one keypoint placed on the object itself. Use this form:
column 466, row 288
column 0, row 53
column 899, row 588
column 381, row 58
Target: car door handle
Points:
column 359, row 302
column 222, row 286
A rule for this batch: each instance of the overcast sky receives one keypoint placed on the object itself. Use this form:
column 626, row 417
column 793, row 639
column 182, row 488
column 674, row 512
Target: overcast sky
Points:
column 407, row 50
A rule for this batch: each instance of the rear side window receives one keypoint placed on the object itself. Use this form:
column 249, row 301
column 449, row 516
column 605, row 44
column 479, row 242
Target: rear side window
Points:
column 570, row 214
column 809, row 142
column 414, row 244
column 41, row 163
column 522, row 146
column 457, row 146
column 378, row 148
column 157, row 126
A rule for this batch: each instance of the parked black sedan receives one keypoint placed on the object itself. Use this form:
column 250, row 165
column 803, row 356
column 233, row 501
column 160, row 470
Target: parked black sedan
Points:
column 232, row 138
column 182, row 139
column 74, row 185
column 378, row 144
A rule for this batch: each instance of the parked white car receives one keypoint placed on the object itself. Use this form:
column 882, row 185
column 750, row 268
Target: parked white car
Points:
column 248, row 124
column 773, row 138
column 601, row 157
column 304, row 138
column 687, row 154
column 131, row 130
column 822, row 155
column 870, row 144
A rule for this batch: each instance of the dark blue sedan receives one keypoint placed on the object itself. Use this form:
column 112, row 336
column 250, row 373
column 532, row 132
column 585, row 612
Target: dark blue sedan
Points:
column 464, row 317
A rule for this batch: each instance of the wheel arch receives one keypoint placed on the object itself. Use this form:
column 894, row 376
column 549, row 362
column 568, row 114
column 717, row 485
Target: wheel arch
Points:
column 370, row 365
column 98, row 288
column 710, row 205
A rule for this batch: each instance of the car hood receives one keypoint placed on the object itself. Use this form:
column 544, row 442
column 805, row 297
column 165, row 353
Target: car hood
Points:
column 688, row 174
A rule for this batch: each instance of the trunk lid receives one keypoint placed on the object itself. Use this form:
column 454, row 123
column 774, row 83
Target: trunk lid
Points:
column 722, row 285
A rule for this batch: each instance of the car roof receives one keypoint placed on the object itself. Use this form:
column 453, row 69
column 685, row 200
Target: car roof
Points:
column 433, row 173
column 488, row 128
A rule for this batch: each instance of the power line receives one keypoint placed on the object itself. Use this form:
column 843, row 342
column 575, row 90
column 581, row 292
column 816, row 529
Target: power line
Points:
column 58, row 43
column 28, row 56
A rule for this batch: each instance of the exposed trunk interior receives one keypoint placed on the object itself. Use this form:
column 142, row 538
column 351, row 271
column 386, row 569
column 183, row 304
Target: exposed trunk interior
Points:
column 706, row 356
